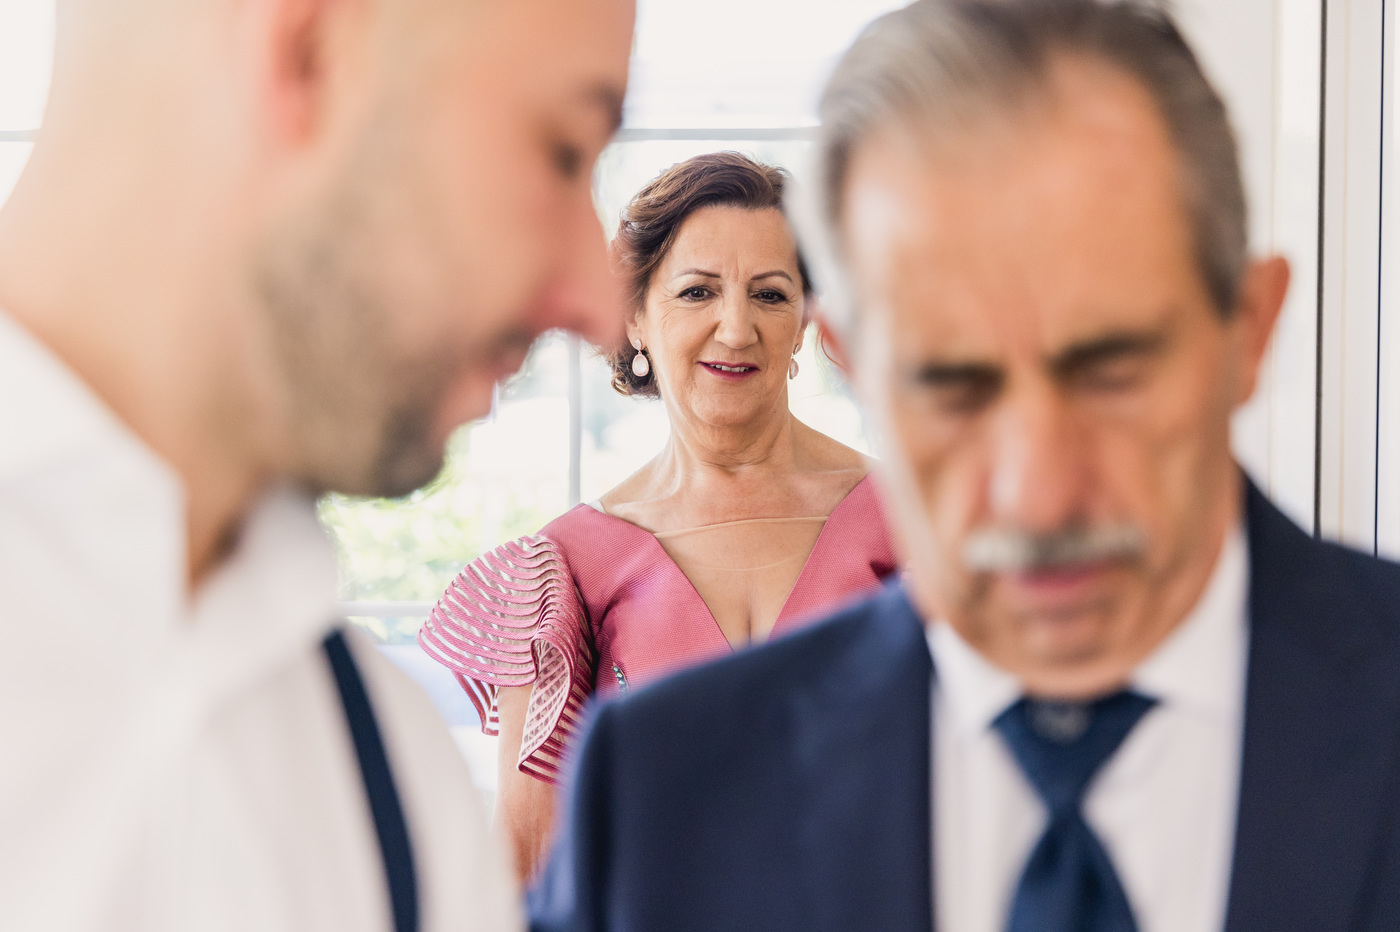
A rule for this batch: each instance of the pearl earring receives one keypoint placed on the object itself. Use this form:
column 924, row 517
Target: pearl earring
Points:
column 641, row 366
column 792, row 368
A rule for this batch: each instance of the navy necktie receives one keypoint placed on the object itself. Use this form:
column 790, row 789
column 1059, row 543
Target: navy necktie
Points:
column 1069, row 884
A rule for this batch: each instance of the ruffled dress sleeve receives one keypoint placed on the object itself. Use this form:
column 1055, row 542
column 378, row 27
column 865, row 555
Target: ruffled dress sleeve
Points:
column 514, row 617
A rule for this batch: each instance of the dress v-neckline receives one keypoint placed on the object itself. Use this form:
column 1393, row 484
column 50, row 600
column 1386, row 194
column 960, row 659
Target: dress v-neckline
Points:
column 665, row 559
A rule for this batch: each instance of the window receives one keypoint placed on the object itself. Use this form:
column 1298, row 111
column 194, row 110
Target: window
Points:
column 26, row 51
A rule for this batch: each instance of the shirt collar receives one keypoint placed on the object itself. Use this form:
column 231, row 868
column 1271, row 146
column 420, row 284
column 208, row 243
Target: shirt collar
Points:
column 973, row 689
column 272, row 597
column 122, row 510
column 48, row 414
column 1197, row 668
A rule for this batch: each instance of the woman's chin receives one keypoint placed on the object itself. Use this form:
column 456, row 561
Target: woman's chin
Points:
column 736, row 417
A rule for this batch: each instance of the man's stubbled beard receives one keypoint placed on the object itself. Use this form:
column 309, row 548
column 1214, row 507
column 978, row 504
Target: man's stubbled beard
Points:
column 359, row 408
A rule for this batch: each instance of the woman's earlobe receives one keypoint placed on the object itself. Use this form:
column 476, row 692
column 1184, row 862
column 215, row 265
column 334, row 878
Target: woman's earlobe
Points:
column 641, row 366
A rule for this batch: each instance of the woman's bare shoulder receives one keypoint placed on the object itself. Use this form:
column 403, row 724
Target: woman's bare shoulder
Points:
column 839, row 467
column 631, row 498
column 824, row 472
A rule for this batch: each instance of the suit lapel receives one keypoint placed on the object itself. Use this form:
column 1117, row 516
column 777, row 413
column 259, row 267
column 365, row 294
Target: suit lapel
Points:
column 862, row 746
column 1318, row 771
column 1321, row 705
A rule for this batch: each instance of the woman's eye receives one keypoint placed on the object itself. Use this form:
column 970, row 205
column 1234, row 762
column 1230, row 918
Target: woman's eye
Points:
column 772, row 297
column 697, row 293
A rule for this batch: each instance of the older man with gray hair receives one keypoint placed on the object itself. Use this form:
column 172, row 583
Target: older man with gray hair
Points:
column 1117, row 689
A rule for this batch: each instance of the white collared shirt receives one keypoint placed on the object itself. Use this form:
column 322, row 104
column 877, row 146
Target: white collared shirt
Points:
column 1164, row 805
column 181, row 762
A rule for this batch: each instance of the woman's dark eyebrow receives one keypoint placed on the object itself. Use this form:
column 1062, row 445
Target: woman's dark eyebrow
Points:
column 701, row 272
column 776, row 273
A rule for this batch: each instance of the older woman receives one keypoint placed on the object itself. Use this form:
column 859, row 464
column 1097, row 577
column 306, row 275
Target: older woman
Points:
column 746, row 523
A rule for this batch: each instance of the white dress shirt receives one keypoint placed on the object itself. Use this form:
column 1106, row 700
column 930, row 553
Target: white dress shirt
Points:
column 1164, row 805
column 177, row 761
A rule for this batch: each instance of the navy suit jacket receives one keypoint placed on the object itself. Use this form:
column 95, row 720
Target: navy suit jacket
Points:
column 787, row 788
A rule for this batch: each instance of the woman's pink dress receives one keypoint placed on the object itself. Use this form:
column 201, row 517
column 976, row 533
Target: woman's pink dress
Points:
column 593, row 603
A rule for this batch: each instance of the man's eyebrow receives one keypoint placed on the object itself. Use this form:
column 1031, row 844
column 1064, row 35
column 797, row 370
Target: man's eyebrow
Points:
column 1106, row 347
column 936, row 372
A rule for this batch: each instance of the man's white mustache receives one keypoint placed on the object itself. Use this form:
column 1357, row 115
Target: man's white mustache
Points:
column 1010, row 550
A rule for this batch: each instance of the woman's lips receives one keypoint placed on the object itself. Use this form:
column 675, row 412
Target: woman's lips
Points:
column 732, row 372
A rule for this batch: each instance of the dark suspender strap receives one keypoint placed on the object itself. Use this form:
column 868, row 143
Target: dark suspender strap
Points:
column 379, row 784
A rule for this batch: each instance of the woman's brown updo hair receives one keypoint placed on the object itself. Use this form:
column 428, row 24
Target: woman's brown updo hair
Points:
column 652, row 219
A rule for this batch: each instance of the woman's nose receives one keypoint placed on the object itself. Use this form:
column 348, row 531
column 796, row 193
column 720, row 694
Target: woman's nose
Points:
column 736, row 328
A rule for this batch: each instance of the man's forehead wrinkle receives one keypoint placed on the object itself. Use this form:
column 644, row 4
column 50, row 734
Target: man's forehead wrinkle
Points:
column 961, row 220
column 950, row 337
column 1105, row 340
column 1009, row 337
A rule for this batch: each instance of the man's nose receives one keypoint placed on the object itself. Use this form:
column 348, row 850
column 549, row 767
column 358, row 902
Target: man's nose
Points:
column 1038, row 469
column 736, row 328
column 585, row 296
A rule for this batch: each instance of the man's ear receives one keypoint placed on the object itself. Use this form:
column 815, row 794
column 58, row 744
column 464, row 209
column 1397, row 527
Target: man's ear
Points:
column 1262, row 291
column 830, row 342
column 299, row 50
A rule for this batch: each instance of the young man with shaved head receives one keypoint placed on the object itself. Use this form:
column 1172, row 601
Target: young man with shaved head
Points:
column 1117, row 690
column 264, row 249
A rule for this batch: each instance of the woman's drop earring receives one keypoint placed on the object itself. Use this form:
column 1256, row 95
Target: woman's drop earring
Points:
column 792, row 368
column 641, row 366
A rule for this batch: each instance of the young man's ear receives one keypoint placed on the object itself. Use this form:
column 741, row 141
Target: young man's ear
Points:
column 830, row 343
column 1262, row 292
column 298, row 50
